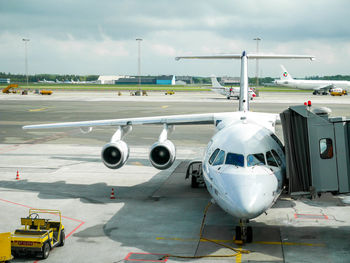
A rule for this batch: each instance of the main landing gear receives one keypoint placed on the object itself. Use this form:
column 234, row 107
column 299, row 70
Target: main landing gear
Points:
column 244, row 233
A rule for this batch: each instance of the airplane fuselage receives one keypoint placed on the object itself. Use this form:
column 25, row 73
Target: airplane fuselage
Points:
column 240, row 183
column 313, row 84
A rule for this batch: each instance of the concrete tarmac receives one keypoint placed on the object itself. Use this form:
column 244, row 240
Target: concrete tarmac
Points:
column 155, row 212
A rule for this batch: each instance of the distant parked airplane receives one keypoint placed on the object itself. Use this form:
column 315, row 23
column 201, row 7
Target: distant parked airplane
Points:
column 45, row 81
column 318, row 86
column 232, row 92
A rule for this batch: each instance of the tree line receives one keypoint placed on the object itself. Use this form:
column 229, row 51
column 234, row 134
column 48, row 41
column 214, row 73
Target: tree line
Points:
column 48, row 77
column 195, row 79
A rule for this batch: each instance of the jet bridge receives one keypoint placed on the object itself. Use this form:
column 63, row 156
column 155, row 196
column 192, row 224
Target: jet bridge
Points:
column 317, row 150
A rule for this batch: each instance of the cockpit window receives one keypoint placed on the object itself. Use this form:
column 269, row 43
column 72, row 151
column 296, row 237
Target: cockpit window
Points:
column 278, row 159
column 220, row 158
column 212, row 157
column 270, row 160
column 255, row 159
column 278, row 141
column 235, row 159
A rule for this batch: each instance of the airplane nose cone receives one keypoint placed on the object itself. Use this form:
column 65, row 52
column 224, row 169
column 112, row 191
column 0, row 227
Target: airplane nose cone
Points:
column 250, row 192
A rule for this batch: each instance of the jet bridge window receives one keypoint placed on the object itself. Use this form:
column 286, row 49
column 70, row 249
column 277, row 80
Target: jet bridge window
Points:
column 235, row 159
column 220, row 158
column 326, row 148
column 270, row 160
column 212, row 157
column 255, row 159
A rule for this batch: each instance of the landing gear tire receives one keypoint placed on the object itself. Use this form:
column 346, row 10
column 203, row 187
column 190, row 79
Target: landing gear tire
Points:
column 228, row 97
column 314, row 93
column 194, row 182
column 324, row 93
column 244, row 233
column 238, row 233
column 249, row 234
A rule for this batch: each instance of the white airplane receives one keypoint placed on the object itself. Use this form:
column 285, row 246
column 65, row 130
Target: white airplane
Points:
column 45, row 81
column 318, row 86
column 232, row 92
column 243, row 165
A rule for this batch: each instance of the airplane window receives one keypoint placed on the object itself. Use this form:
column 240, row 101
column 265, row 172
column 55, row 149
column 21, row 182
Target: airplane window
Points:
column 278, row 159
column 278, row 141
column 326, row 148
column 220, row 158
column 235, row 159
column 270, row 160
column 212, row 157
column 255, row 159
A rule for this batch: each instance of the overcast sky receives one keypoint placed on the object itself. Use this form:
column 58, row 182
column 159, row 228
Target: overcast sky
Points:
column 98, row 37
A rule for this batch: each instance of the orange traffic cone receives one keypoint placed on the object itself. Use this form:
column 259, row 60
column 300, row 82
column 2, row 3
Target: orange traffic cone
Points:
column 17, row 176
column 112, row 194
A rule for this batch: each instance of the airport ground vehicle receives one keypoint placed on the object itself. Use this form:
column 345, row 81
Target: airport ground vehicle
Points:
column 338, row 92
column 5, row 247
column 46, row 92
column 7, row 90
column 39, row 235
column 169, row 92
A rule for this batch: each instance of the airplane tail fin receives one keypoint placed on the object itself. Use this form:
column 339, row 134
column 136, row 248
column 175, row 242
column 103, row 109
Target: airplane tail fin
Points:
column 215, row 83
column 285, row 75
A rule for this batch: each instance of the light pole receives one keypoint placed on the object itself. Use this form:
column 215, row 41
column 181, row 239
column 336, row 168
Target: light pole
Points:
column 26, row 57
column 139, row 61
column 257, row 39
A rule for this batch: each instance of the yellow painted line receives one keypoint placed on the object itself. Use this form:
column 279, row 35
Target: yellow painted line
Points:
column 165, row 106
column 237, row 242
column 239, row 256
column 41, row 109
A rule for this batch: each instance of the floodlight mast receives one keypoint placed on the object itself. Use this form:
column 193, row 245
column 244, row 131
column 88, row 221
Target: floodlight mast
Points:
column 257, row 39
column 139, row 61
column 244, row 98
column 25, row 40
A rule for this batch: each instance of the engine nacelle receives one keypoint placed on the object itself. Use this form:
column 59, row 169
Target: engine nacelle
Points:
column 115, row 154
column 162, row 154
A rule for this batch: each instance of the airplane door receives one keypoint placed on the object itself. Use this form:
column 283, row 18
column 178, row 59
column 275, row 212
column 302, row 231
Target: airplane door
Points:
column 323, row 157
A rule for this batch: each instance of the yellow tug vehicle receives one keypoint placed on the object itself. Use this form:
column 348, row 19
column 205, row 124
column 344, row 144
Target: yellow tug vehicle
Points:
column 338, row 92
column 39, row 235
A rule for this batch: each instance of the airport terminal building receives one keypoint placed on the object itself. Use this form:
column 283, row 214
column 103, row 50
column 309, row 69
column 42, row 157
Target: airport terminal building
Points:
column 134, row 80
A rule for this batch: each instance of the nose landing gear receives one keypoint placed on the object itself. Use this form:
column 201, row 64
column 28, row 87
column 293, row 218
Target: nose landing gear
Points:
column 244, row 233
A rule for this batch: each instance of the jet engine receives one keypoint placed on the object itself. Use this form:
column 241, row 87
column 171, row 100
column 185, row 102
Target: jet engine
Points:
column 162, row 154
column 115, row 154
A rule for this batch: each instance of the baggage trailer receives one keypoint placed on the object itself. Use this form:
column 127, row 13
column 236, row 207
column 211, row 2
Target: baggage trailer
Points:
column 5, row 247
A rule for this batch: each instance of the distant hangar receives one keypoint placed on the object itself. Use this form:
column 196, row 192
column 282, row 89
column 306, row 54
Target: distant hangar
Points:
column 134, row 80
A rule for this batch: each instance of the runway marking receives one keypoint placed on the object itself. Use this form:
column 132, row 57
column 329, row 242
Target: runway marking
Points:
column 69, row 218
column 165, row 106
column 256, row 242
column 239, row 256
column 35, row 110
column 310, row 216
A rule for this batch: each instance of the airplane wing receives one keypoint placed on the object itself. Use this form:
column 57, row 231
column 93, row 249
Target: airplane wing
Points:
column 187, row 119
column 206, row 118
column 325, row 87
